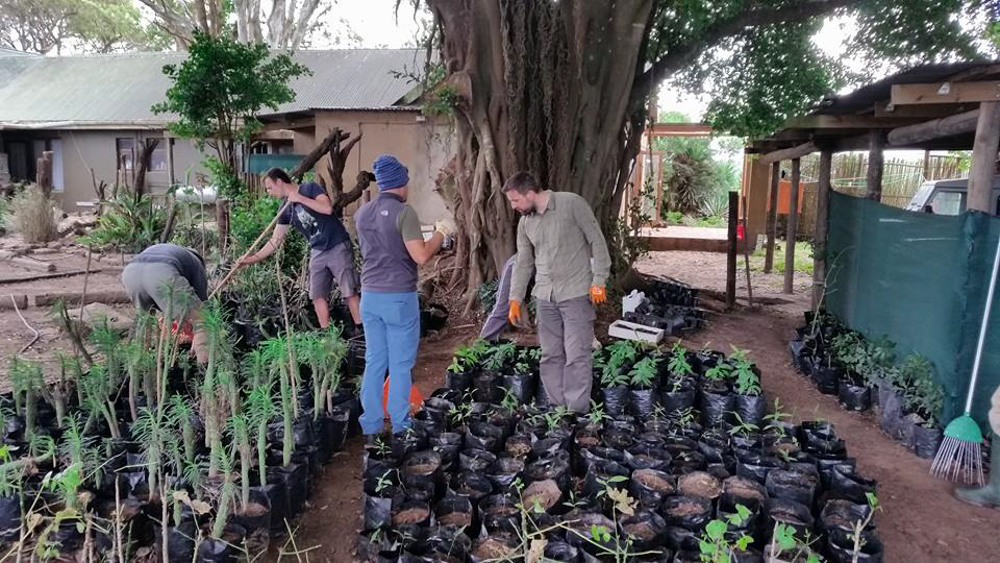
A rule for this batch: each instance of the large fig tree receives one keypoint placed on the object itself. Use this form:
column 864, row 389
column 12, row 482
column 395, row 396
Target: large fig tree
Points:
column 561, row 87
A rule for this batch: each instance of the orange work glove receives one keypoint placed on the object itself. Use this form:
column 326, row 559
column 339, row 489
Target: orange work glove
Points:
column 598, row 294
column 514, row 316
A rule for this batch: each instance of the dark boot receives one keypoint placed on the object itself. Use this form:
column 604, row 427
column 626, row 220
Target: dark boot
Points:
column 988, row 496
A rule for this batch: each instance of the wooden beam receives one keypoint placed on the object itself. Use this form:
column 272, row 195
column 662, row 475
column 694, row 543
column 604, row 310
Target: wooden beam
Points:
column 789, row 153
column 945, row 92
column 772, row 217
column 943, row 127
column 681, row 130
column 793, row 223
column 847, row 121
column 984, row 156
column 876, row 160
column 927, row 111
column 822, row 227
column 111, row 297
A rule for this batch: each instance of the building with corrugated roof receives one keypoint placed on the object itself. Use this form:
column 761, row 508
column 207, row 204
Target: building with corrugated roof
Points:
column 93, row 112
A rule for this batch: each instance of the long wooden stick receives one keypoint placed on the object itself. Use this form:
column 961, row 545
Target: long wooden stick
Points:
column 251, row 250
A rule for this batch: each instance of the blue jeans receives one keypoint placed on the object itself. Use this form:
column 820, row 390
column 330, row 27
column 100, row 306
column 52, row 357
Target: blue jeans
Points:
column 392, row 334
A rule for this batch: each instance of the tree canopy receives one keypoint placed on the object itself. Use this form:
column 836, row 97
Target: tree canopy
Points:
column 90, row 26
column 287, row 24
column 222, row 86
column 561, row 88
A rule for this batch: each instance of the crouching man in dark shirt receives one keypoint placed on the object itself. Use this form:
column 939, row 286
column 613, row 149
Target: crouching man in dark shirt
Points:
column 172, row 279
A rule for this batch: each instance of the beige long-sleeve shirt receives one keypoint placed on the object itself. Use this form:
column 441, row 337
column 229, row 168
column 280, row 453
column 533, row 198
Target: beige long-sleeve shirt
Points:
column 565, row 247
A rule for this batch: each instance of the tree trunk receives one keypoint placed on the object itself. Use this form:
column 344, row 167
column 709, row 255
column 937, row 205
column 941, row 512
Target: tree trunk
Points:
column 544, row 87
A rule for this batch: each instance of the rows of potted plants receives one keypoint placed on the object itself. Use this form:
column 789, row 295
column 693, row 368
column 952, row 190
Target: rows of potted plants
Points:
column 863, row 373
column 676, row 474
column 141, row 452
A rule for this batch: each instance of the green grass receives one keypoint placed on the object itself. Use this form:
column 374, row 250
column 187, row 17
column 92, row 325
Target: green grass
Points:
column 803, row 258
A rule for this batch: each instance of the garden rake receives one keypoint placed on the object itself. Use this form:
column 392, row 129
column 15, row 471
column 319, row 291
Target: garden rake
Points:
column 960, row 455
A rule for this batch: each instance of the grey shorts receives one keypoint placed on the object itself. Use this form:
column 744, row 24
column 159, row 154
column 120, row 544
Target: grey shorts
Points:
column 335, row 264
column 153, row 284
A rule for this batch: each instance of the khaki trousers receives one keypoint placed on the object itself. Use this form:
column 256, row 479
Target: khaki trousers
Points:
column 566, row 335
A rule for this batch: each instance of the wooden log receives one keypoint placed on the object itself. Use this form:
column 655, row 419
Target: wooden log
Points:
column 772, row 217
column 822, row 227
column 32, row 264
column 876, row 161
column 944, row 127
column 113, row 296
column 793, row 223
column 43, row 172
column 789, row 153
column 734, row 203
column 7, row 305
column 55, row 275
column 984, row 155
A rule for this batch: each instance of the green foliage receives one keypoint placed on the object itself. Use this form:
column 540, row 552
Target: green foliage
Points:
column 222, row 86
column 643, row 374
column 93, row 26
column 921, row 393
column 715, row 547
column 625, row 244
column 129, row 224
column 679, row 365
column 759, row 78
column 747, row 380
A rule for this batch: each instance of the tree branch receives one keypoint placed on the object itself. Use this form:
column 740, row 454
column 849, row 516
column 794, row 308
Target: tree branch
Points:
column 682, row 55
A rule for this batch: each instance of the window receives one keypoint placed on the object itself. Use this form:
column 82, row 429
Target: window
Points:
column 948, row 203
column 158, row 158
column 125, row 153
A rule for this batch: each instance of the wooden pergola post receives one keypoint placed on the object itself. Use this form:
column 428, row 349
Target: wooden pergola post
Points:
column 772, row 217
column 984, row 155
column 822, row 228
column 731, row 249
column 876, row 161
column 793, row 223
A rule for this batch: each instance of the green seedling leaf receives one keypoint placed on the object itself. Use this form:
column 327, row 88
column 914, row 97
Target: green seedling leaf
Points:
column 716, row 529
column 622, row 479
column 744, row 542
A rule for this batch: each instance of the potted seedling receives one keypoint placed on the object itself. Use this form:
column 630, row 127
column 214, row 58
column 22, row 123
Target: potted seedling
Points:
column 254, row 509
column 180, row 411
column 99, row 394
column 749, row 401
column 724, row 539
column 11, row 493
column 614, row 376
column 642, row 396
column 521, row 380
column 24, row 378
column 786, row 547
column 154, row 431
column 716, row 398
column 221, row 545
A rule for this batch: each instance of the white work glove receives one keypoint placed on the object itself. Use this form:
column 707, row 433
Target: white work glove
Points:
column 445, row 226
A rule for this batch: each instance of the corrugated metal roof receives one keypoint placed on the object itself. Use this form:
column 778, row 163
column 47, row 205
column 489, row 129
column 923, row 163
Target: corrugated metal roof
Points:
column 864, row 97
column 121, row 88
column 13, row 53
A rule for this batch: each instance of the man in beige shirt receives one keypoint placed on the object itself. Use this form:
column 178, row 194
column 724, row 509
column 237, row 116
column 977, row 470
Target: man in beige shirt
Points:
column 559, row 239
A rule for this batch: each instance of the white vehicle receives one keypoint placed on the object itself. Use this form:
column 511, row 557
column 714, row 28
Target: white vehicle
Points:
column 947, row 197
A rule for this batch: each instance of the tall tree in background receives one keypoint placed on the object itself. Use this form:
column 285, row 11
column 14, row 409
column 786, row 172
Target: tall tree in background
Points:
column 218, row 91
column 287, row 24
column 561, row 88
column 89, row 26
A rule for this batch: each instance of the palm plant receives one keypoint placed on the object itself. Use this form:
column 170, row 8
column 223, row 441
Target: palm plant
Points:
column 99, row 394
column 277, row 350
column 78, row 449
column 227, row 492
column 239, row 426
column 261, row 409
column 180, row 411
column 155, row 431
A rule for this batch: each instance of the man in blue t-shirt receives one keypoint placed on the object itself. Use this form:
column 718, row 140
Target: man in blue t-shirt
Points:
column 331, row 257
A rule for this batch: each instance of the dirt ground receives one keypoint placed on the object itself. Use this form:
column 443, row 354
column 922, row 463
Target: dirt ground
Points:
column 921, row 522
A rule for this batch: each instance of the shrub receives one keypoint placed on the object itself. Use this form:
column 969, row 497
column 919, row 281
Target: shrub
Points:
column 129, row 225
column 31, row 216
